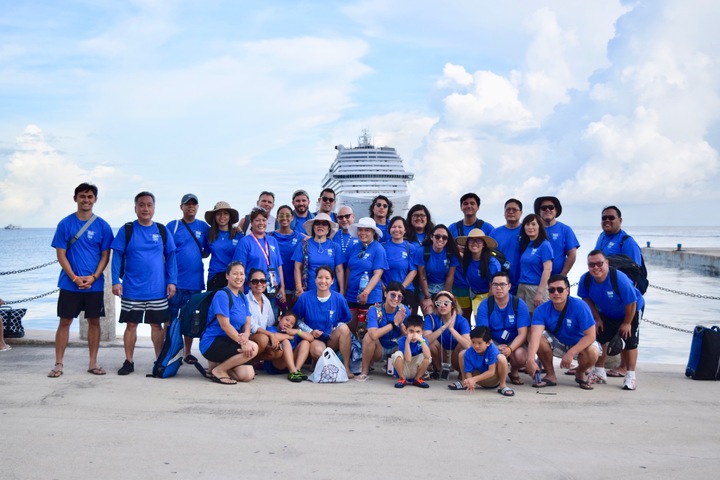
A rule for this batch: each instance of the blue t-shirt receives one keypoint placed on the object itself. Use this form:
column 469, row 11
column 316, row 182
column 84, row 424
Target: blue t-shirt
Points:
column 607, row 301
column 480, row 362
column 345, row 240
column 472, row 278
column 298, row 223
column 148, row 270
column 578, row 318
column 447, row 341
column 372, row 259
column 437, row 265
column 415, row 347
column 293, row 341
column 385, row 234
column 453, row 229
column 532, row 260
column 238, row 315
column 503, row 322
column 562, row 239
column 261, row 253
column 287, row 243
column 85, row 253
column 319, row 254
column 388, row 340
column 610, row 245
column 221, row 252
column 400, row 258
column 323, row 316
column 187, row 253
column 508, row 240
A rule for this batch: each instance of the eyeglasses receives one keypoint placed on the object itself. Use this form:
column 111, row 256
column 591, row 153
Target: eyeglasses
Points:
column 443, row 303
column 512, row 210
column 499, row 285
column 321, row 223
column 441, row 238
column 327, row 199
column 256, row 281
column 475, row 241
column 395, row 296
column 381, row 205
column 344, row 217
column 419, row 216
column 284, row 215
column 595, row 264
column 556, row 289
column 608, row 218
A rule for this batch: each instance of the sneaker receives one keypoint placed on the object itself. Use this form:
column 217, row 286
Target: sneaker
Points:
column 401, row 383
column 629, row 383
column 419, row 382
column 300, row 374
column 127, row 368
column 595, row 377
column 294, row 377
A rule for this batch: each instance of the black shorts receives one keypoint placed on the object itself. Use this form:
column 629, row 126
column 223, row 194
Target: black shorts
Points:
column 359, row 306
column 153, row 311
column 70, row 304
column 611, row 327
column 221, row 349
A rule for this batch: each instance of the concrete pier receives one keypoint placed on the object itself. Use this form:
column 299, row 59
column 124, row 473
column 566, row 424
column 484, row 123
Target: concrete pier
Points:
column 705, row 261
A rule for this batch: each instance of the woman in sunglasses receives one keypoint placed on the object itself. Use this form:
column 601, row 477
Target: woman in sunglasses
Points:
column 536, row 256
column 478, row 267
column 316, row 251
column 380, row 210
column 401, row 260
column 366, row 262
column 385, row 324
column 446, row 331
column 436, row 263
column 262, row 317
column 287, row 240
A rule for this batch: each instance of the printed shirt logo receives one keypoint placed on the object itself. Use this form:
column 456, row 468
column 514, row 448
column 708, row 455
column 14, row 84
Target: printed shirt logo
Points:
column 366, row 257
column 533, row 251
column 294, row 241
column 446, row 262
column 332, row 312
column 272, row 247
column 511, row 318
column 610, row 294
column 330, row 252
column 155, row 237
column 234, row 241
column 568, row 322
column 90, row 234
column 555, row 236
column 198, row 234
column 404, row 255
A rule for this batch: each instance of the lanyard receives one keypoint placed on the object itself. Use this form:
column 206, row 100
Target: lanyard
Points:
column 265, row 251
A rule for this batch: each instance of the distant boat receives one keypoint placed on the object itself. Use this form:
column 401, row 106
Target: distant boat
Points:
column 361, row 173
column 10, row 226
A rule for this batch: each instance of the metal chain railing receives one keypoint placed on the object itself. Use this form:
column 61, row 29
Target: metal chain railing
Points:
column 29, row 299
column 683, row 330
column 13, row 272
column 687, row 294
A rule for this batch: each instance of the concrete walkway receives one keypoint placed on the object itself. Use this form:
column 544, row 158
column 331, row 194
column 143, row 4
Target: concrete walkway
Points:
column 80, row 426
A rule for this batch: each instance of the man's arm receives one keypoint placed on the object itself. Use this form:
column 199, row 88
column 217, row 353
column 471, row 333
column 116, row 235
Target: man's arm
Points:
column 570, row 258
column 630, row 310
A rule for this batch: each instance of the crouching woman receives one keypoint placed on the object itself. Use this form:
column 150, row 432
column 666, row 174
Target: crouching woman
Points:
column 226, row 341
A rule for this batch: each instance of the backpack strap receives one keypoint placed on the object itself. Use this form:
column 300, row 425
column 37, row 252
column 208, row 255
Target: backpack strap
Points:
column 246, row 224
column 163, row 234
column 491, row 306
column 192, row 234
column 128, row 235
column 562, row 317
column 77, row 236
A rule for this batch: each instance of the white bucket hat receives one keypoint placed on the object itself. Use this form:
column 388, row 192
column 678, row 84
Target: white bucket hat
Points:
column 364, row 222
column 321, row 216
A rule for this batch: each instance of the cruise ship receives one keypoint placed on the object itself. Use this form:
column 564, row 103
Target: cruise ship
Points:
column 360, row 173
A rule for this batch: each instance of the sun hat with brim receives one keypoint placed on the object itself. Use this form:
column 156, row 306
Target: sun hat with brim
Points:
column 364, row 222
column 477, row 233
column 554, row 200
column 234, row 215
column 322, row 217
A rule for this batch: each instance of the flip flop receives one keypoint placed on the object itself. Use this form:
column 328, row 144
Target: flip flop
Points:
column 506, row 392
column 191, row 359
column 97, row 371
column 221, row 381
column 615, row 373
column 55, row 373
column 516, row 380
column 584, row 384
column 545, row 382
column 5, row 348
column 457, row 386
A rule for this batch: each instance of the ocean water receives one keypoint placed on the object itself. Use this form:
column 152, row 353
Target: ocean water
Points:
column 21, row 249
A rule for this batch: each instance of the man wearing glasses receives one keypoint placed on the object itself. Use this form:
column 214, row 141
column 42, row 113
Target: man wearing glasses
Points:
column 615, row 304
column 613, row 239
column 508, row 318
column 345, row 217
column 508, row 238
column 561, row 237
column 563, row 326
column 326, row 203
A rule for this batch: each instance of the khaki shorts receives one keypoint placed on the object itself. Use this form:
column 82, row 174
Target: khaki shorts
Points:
column 527, row 292
column 560, row 349
column 410, row 368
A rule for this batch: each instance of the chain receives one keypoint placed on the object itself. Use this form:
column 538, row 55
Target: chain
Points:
column 696, row 295
column 678, row 329
column 29, row 299
column 12, row 272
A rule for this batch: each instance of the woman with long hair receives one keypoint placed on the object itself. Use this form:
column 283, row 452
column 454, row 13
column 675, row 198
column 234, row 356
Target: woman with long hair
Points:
column 536, row 256
column 420, row 225
column 477, row 268
column 401, row 261
column 446, row 331
column 287, row 240
column 222, row 241
column 436, row 263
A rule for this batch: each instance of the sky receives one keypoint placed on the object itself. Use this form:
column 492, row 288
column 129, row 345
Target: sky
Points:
column 598, row 103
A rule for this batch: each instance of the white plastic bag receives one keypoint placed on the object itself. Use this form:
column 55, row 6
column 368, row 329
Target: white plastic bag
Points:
column 329, row 369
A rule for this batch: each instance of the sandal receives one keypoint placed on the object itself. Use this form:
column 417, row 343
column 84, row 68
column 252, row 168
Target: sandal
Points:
column 361, row 378
column 97, row 371
column 55, row 372
column 584, row 384
column 191, row 359
column 516, row 380
column 224, row 381
column 615, row 373
column 457, row 386
column 506, row 392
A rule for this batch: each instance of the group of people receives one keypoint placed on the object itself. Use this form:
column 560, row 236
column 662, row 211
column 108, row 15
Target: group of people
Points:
column 404, row 288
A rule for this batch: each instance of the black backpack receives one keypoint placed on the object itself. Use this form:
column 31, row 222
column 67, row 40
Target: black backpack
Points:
column 586, row 278
column 500, row 256
column 491, row 305
column 637, row 273
column 128, row 236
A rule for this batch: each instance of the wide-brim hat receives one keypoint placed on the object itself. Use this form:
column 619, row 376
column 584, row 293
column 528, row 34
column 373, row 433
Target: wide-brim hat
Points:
column 234, row 215
column 364, row 222
column 556, row 202
column 477, row 233
column 321, row 216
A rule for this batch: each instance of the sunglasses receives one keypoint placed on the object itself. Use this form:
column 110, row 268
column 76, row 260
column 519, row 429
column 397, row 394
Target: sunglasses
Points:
column 284, row 215
column 256, row 281
column 556, row 289
column 321, row 223
column 442, row 238
column 545, row 208
column 512, row 210
column 419, row 215
column 327, row 199
column 344, row 217
column 595, row 264
column 381, row 205
column 395, row 296
column 443, row 303
column 499, row 285
column 608, row 218
column 476, row 241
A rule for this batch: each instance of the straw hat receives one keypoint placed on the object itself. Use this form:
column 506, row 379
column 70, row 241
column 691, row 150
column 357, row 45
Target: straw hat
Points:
column 364, row 222
column 477, row 233
column 234, row 215
column 321, row 216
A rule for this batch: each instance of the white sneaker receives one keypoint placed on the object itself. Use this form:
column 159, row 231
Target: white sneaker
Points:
column 629, row 383
column 595, row 377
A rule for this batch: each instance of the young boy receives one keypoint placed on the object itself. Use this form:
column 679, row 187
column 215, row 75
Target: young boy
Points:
column 483, row 364
column 412, row 358
column 295, row 347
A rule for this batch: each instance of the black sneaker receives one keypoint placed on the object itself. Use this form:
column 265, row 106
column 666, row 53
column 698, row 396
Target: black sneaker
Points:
column 127, row 368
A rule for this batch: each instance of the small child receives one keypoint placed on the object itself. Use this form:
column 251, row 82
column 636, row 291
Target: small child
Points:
column 412, row 358
column 295, row 345
column 483, row 364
